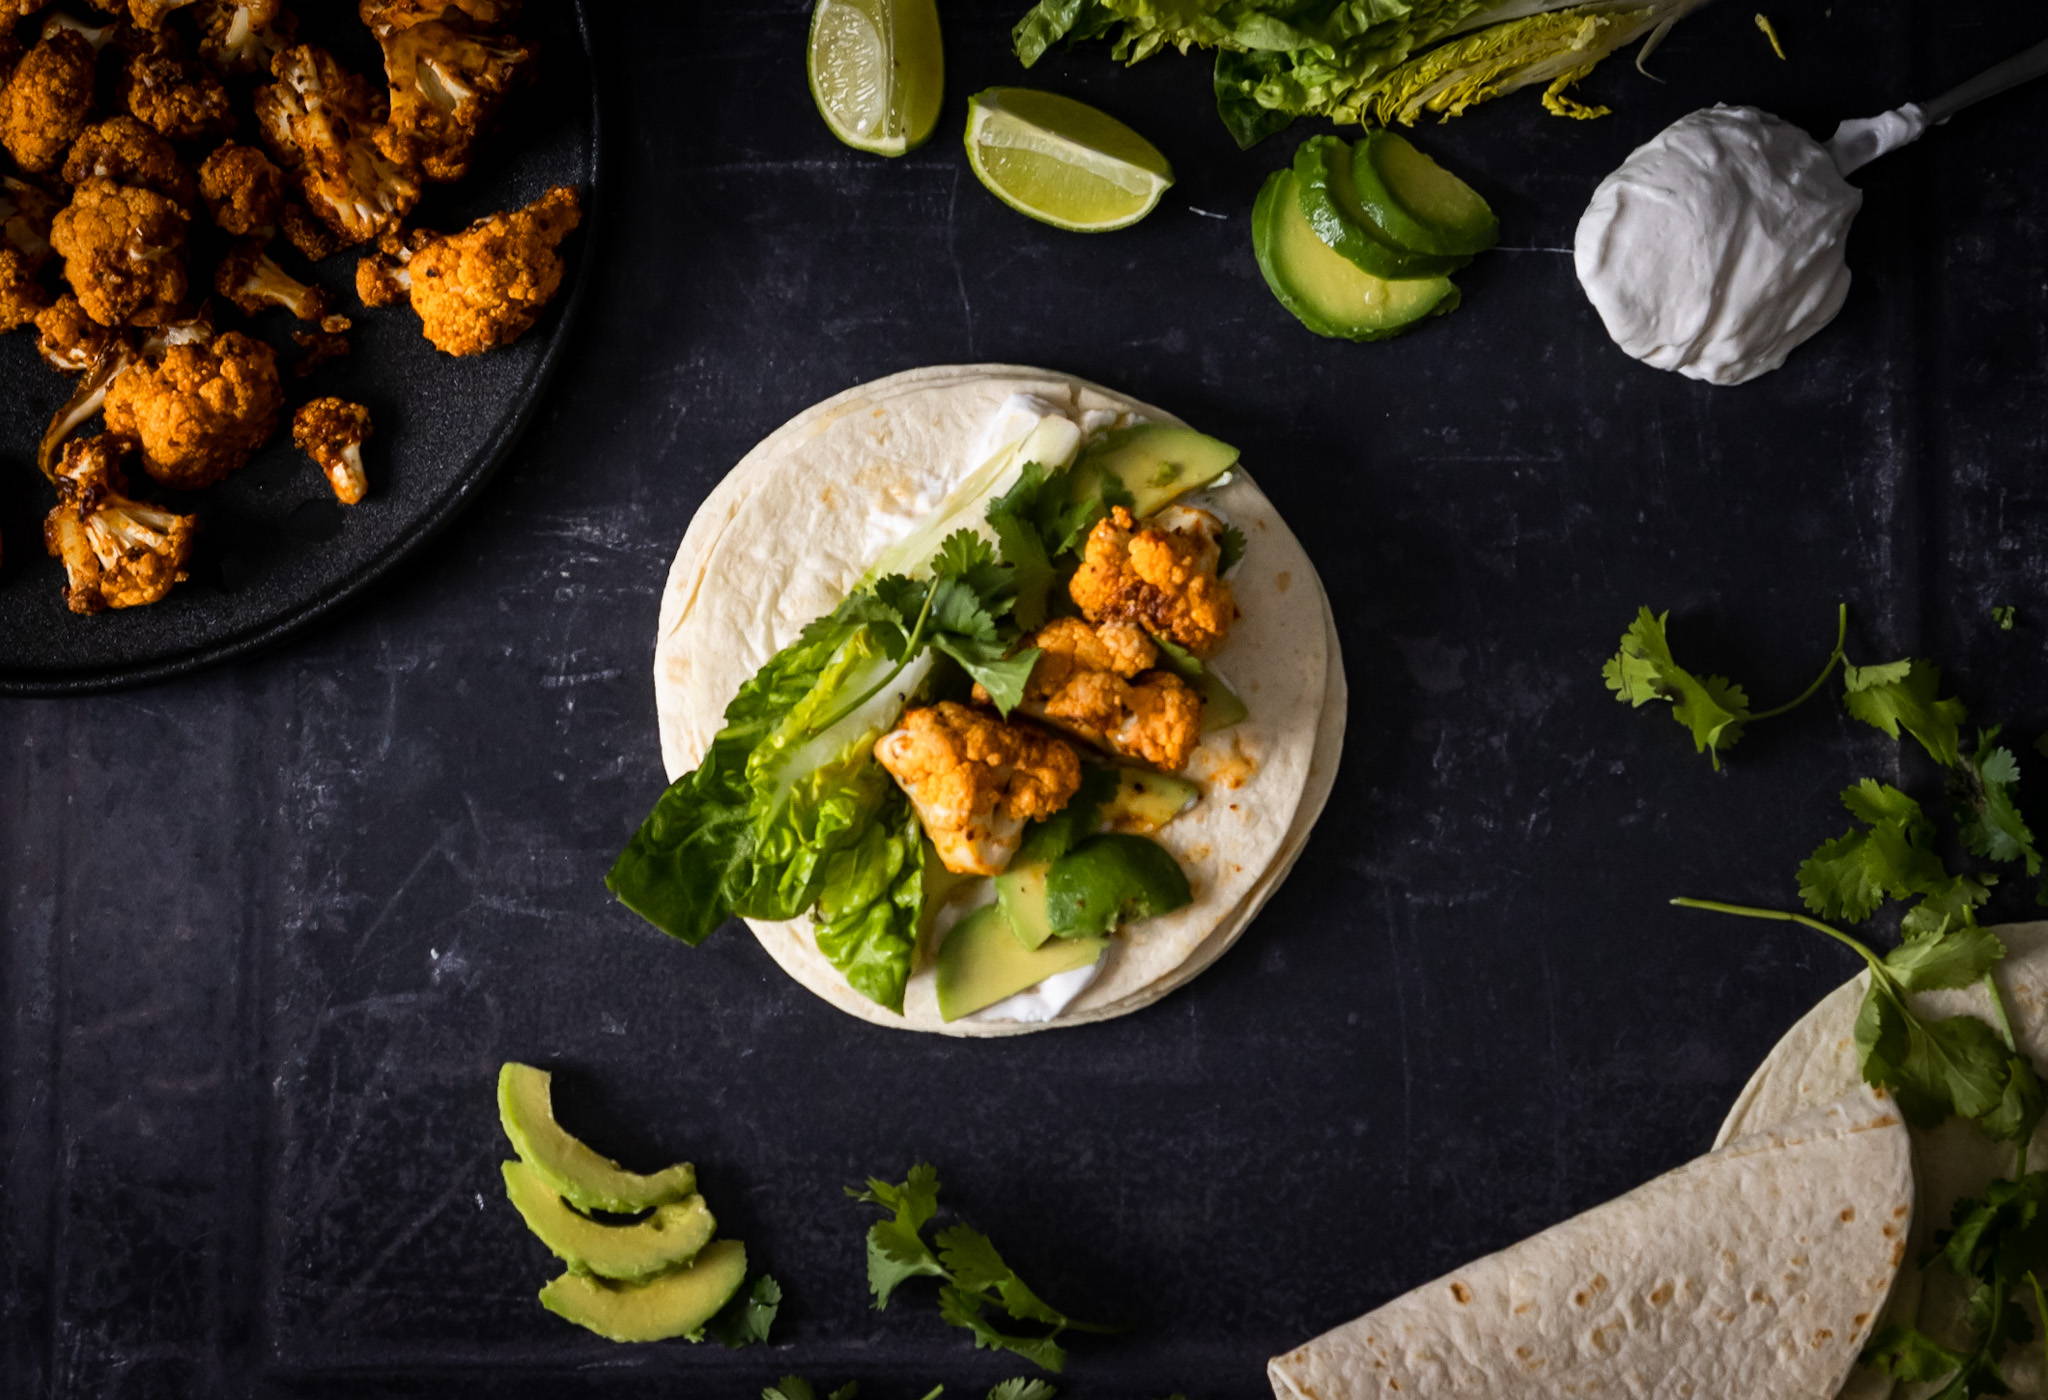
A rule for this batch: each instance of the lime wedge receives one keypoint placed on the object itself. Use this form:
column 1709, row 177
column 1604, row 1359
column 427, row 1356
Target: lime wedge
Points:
column 877, row 72
column 1062, row 162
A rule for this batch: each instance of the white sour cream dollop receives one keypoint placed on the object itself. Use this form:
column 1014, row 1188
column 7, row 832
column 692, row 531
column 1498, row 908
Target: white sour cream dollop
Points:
column 1046, row 1000
column 1717, row 247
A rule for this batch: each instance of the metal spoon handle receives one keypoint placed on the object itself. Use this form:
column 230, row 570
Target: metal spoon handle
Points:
column 2020, row 68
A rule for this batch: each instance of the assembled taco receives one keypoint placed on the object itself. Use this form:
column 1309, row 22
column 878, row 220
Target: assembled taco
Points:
column 991, row 699
column 1754, row 1273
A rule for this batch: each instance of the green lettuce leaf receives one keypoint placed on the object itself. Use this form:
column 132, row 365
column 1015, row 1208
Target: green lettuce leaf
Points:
column 871, row 903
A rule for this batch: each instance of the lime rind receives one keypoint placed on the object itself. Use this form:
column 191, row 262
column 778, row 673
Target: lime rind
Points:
column 877, row 72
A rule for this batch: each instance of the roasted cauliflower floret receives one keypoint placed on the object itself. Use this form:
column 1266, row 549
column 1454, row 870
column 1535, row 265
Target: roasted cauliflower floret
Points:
column 447, row 83
column 69, row 340
column 124, row 253
column 320, row 120
column 175, row 95
column 1097, row 682
column 483, row 287
column 250, row 278
column 243, row 36
column 124, row 151
column 1161, row 577
column 24, row 251
column 22, row 294
column 243, row 190
column 404, row 14
column 976, row 780
column 198, row 410
column 151, row 14
column 117, row 552
column 332, row 432
column 48, row 101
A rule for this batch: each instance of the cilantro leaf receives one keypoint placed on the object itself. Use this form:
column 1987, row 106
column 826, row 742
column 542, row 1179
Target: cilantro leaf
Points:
column 2019, row 1110
column 1713, row 708
column 1023, row 1388
column 1232, row 547
column 797, row 1388
column 1848, row 877
column 1995, row 829
column 2005, row 615
column 964, row 1309
column 1952, row 959
column 976, row 1266
column 1902, row 695
column 1003, row 677
column 896, row 1249
column 1957, row 1064
column 1950, row 901
column 746, row 1319
column 967, row 558
column 1013, row 516
column 1908, row 1354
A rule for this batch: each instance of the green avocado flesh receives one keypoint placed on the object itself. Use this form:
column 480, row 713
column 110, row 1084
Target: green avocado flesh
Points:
column 981, row 962
column 1020, row 894
column 1416, row 202
column 1158, row 462
column 664, row 1240
column 1108, row 880
column 567, row 1167
column 1330, row 203
column 1326, row 291
column 675, row 1304
column 1144, row 800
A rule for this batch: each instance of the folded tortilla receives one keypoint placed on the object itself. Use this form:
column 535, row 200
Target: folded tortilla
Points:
column 1816, row 1061
column 793, row 528
column 1754, row 1273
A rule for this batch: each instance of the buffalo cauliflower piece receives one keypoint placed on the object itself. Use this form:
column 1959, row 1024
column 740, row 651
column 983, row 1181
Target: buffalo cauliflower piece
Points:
column 124, row 151
column 320, row 121
column 124, row 252
column 483, row 287
column 1161, row 577
column 117, row 552
column 69, row 340
column 243, row 36
column 250, row 278
column 175, row 95
column 975, row 780
column 24, row 251
column 151, row 14
column 332, row 432
column 447, row 83
column 404, row 14
column 1097, row 682
column 22, row 294
column 48, row 101
column 243, row 189
column 198, row 410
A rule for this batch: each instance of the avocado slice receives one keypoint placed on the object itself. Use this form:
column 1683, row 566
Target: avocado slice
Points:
column 1221, row 706
column 1144, row 800
column 570, row 1169
column 1156, row 462
column 1330, row 203
column 1109, row 880
column 1326, row 291
column 674, row 1304
column 981, row 962
column 1416, row 202
column 670, row 1237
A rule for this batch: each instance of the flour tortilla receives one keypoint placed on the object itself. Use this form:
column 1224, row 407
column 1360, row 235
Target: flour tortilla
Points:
column 1816, row 1061
column 783, row 538
column 1754, row 1273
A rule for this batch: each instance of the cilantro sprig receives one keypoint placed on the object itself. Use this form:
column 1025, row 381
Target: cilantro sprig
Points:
column 1016, row 1388
column 974, row 1280
column 746, row 1320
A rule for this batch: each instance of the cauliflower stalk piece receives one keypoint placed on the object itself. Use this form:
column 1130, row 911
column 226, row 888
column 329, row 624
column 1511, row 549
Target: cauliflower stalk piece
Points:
column 321, row 121
column 332, row 432
column 1098, row 682
column 1162, row 577
column 47, row 102
column 243, row 36
column 117, row 552
column 447, row 83
column 198, row 410
column 483, row 287
column 123, row 250
column 254, row 281
column 975, row 780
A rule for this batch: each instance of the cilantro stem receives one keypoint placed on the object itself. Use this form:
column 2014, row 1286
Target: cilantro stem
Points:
column 2040, row 1297
column 1748, row 911
column 1834, row 660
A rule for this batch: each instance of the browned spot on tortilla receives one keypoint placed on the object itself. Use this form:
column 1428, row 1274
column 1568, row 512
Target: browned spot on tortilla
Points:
column 1461, row 1293
column 1848, row 1214
column 1599, row 1284
column 1898, row 1253
column 1899, row 1211
column 1661, row 1294
column 829, row 499
column 1283, row 580
column 1891, row 1232
column 1521, row 1308
column 1725, row 1314
column 1821, row 1338
column 1581, row 1298
column 1859, row 1320
column 1198, row 854
column 1758, row 1295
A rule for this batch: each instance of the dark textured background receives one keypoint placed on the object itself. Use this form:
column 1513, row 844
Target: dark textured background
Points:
column 269, row 930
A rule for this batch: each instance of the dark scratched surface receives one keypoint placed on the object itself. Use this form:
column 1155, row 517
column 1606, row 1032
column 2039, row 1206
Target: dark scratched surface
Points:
column 269, row 930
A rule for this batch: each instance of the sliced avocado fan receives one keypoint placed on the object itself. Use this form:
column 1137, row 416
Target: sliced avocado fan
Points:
column 674, row 1304
column 565, row 1165
column 667, row 1239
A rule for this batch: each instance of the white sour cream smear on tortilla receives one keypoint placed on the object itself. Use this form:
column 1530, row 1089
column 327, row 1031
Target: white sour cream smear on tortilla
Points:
column 1046, row 1000
column 1717, row 248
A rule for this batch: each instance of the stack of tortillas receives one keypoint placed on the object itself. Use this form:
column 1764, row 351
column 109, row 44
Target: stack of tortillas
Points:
column 1760, row 1270
column 798, row 522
